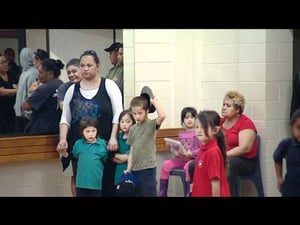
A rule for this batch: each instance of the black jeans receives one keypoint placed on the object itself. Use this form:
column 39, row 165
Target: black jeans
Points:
column 84, row 192
column 239, row 166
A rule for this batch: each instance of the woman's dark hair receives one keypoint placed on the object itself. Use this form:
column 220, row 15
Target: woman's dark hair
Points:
column 9, row 50
column 73, row 62
column 88, row 122
column 91, row 53
column 186, row 110
column 53, row 65
column 212, row 118
column 41, row 54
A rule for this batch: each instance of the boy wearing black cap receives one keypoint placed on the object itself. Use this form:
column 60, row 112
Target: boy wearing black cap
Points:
column 141, row 138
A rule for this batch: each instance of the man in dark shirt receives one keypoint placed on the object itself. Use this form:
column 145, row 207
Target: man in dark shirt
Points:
column 14, row 69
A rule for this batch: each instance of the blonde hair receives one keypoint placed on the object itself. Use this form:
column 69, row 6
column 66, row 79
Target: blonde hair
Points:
column 238, row 100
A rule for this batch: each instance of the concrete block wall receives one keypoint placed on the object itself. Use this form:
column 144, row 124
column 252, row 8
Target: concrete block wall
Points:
column 196, row 67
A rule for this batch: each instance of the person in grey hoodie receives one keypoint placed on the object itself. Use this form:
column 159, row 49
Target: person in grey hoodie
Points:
column 28, row 76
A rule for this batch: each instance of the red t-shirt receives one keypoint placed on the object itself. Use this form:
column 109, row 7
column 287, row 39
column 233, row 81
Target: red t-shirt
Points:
column 208, row 165
column 232, row 134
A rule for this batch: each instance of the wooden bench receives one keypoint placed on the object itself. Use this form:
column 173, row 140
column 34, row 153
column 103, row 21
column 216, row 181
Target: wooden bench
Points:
column 163, row 133
column 37, row 147
column 23, row 148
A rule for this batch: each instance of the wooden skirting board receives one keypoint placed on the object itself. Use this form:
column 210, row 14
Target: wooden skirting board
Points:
column 37, row 147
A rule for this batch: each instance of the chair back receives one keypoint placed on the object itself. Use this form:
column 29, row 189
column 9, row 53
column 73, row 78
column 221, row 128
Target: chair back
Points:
column 255, row 176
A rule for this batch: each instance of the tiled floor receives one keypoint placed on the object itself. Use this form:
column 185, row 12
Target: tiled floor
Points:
column 44, row 178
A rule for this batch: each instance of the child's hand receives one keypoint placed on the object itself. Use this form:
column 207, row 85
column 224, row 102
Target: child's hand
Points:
column 182, row 154
column 153, row 100
column 190, row 154
column 187, row 154
column 177, row 153
column 126, row 171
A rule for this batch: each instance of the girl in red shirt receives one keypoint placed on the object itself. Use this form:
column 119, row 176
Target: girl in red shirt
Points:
column 210, row 179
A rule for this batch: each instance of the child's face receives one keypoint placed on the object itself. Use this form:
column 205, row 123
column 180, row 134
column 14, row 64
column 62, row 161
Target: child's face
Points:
column 90, row 133
column 125, row 123
column 200, row 133
column 296, row 129
column 189, row 121
column 139, row 114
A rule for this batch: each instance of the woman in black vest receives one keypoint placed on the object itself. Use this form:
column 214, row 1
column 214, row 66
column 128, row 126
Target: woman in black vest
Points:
column 97, row 97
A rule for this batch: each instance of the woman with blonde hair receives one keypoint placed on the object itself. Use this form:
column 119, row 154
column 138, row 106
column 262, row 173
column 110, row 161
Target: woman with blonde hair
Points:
column 240, row 136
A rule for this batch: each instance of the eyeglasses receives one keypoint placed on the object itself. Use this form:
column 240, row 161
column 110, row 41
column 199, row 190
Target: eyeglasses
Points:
column 90, row 52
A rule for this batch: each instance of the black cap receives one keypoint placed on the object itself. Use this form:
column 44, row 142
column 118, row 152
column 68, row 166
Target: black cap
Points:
column 42, row 54
column 147, row 93
column 113, row 47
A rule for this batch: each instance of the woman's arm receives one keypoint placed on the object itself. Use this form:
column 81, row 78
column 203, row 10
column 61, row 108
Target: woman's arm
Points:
column 34, row 86
column 115, row 95
column 160, row 112
column 7, row 91
column 246, row 138
column 65, row 121
column 112, row 144
column 117, row 107
column 62, row 145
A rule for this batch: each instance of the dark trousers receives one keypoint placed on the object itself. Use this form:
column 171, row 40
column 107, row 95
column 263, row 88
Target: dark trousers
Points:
column 84, row 192
column 7, row 124
column 21, row 123
column 239, row 166
column 108, row 186
column 146, row 182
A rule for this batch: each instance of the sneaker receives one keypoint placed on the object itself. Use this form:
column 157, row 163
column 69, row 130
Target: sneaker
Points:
column 147, row 93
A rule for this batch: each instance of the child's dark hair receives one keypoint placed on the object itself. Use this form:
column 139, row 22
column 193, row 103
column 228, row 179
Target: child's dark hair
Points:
column 186, row 110
column 139, row 101
column 88, row 122
column 212, row 118
column 128, row 112
column 294, row 117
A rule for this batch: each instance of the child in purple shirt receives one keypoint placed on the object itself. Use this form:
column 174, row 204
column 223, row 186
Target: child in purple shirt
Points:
column 182, row 159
